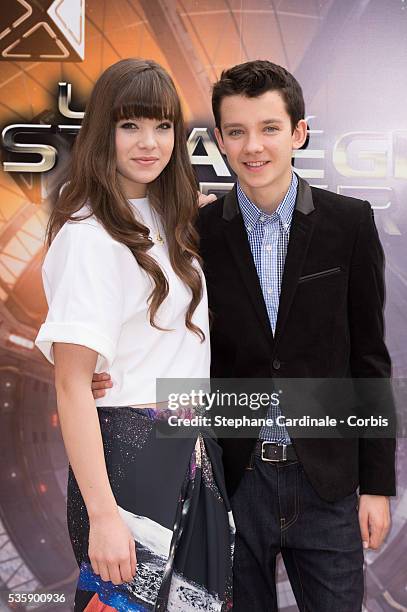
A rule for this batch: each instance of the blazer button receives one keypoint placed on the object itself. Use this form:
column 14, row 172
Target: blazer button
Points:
column 276, row 364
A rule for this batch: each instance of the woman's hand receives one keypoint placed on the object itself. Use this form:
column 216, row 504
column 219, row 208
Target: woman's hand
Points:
column 112, row 550
column 111, row 546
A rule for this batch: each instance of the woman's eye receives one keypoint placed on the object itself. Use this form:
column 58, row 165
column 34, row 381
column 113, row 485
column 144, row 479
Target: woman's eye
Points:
column 166, row 125
column 129, row 125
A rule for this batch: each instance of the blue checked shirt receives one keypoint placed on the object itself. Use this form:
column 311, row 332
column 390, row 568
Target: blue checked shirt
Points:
column 268, row 238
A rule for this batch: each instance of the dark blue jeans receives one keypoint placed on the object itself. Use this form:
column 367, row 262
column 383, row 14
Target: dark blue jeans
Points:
column 277, row 510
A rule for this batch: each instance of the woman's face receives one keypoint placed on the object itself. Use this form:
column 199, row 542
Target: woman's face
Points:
column 143, row 149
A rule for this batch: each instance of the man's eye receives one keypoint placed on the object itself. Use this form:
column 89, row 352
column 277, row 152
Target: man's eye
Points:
column 235, row 132
column 271, row 128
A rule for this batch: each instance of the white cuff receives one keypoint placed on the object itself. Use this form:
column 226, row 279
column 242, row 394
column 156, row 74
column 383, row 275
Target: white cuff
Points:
column 76, row 333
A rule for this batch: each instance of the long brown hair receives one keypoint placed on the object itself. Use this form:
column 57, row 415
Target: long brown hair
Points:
column 134, row 88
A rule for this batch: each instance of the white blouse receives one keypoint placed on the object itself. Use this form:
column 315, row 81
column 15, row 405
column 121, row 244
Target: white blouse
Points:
column 97, row 297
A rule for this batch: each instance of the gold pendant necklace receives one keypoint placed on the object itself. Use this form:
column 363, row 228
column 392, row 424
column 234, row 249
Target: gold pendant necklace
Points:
column 158, row 239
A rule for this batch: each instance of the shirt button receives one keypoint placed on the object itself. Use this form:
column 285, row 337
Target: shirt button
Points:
column 268, row 247
column 262, row 218
column 249, row 228
column 276, row 364
column 269, row 291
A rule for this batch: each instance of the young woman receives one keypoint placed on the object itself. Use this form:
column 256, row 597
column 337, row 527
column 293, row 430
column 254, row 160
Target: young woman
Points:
column 148, row 516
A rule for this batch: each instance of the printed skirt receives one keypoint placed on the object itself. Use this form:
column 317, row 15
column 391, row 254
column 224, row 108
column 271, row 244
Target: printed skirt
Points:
column 171, row 494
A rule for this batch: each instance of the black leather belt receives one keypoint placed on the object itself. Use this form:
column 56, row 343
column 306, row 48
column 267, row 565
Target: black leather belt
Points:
column 271, row 451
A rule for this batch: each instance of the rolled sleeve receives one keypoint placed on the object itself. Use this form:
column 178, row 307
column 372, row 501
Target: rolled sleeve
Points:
column 84, row 291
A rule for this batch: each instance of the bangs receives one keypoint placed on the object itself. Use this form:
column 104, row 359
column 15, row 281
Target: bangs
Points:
column 149, row 96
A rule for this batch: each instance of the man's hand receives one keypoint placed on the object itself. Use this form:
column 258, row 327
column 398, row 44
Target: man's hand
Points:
column 203, row 199
column 100, row 382
column 374, row 519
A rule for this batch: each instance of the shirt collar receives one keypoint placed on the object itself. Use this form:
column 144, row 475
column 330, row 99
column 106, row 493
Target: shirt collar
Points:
column 284, row 211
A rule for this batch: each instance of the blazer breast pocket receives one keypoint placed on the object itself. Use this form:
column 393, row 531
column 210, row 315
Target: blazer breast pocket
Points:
column 321, row 274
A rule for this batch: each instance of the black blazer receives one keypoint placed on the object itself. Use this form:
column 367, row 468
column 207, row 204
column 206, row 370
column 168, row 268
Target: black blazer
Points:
column 330, row 324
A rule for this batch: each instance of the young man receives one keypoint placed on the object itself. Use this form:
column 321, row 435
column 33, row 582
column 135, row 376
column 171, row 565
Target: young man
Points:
column 295, row 285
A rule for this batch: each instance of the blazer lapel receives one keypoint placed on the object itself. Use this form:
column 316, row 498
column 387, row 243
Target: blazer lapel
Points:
column 300, row 235
column 236, row 237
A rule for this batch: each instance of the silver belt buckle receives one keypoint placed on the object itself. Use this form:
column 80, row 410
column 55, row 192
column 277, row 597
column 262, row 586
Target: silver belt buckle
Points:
column 283, row 458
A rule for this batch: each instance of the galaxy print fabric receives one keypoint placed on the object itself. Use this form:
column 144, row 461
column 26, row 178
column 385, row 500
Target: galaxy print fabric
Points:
column 170, row 492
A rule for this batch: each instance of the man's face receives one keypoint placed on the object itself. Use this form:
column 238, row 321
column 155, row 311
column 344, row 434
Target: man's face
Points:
column 257, row 138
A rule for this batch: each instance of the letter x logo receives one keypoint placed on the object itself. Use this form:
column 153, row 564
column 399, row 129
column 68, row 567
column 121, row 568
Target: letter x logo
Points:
column 42, row 30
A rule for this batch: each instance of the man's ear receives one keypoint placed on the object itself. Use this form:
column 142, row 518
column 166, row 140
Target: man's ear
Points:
column 219, row 140
column 299, row 134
